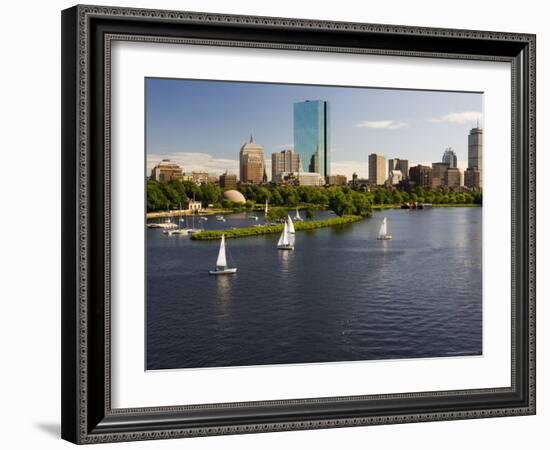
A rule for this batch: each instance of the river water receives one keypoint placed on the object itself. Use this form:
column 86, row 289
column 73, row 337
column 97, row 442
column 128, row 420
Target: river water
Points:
column 341, row 295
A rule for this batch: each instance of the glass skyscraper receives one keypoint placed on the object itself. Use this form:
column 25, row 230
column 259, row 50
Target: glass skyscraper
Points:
column 311, row 136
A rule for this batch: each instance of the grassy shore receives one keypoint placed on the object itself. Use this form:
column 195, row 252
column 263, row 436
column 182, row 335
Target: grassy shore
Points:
column 270, row 229
column 433, row 205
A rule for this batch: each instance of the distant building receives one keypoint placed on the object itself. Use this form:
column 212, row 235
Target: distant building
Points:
column 439, row 169
column 284, row 161
column 394, row 178
column 166, row 171
column 228, row 180
column 355, row 179
column 472, row 178
column 251, row 162
column 337, row 180
column 312, row 135
column 475, row 152
column 377, row 169
column 453, row 178
column 449, row 157
column 399, row 164
column 200, row 177
column 421, row 175
column 300, row 179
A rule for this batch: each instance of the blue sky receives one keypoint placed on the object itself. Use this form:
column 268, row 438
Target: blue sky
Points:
column 203, row 124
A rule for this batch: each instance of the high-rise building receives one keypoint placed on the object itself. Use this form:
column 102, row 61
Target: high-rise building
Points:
column 475, row 152
column 399, row 164
column 449, row 157
column 421, row 175
column 251, row 162
column 453, row 177
column 312, row 136
column 472, row 178
column 166, row 171
column 439, row 169
column 284, row 161
column 228, row 180
column 377, row 169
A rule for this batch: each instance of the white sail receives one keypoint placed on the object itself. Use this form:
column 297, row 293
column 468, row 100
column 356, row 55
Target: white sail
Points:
column 298, row 215
column 222, row 261
column 383, row 228
column 283, row 240
column 290, row 225
column 266, row 208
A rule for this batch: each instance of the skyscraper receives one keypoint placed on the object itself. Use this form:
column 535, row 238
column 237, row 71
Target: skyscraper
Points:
column 399, row 164
column 251, row 162
column 284, row 161
column 377, row 169
column 311, row 136
column 449, row 157
column 475, row 151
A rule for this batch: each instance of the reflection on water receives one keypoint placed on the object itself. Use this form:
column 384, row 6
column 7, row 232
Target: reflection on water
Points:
column 341, row 295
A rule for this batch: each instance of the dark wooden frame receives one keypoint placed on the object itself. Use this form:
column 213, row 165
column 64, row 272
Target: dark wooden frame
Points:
column 87, row 32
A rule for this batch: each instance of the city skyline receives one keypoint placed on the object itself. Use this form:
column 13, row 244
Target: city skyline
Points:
column 182, row 114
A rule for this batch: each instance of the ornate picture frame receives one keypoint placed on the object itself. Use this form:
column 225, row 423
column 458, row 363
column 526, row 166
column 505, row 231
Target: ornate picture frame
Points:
column 87, row 35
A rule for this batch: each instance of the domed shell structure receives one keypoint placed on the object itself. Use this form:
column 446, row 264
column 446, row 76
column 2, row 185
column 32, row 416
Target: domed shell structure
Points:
column 234, row 196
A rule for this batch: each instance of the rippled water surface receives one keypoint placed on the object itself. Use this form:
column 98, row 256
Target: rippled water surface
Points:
column 341, row 295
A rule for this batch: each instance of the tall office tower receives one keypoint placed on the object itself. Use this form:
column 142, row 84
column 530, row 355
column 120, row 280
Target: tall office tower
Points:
column 399, row 164
column 312, row 136
column 251, row 162
column 377, row 169
column 284, row 161
column 475, row 152
column 449, row 157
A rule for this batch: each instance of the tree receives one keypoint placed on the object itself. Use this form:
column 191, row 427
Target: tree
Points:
column 275, row 214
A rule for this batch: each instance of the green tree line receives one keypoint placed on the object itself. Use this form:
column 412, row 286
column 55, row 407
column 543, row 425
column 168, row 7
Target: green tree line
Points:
column 343, row 200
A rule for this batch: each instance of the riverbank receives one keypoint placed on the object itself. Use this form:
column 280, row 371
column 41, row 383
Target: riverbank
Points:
column 186, row 212
column 432, row 205
column 270, row 229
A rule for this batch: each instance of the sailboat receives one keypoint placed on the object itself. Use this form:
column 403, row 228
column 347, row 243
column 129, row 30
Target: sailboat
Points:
column 286, row 241
column 383, row 232
column 290, row 225
column 298, row 218
column 221, row 263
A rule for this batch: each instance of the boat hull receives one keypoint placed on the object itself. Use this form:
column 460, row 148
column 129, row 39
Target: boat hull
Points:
column 384, row 238
column 223, row 272
column 285, row 247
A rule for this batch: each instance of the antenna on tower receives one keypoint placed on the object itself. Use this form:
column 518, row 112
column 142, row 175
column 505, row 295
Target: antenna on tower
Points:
column 477, row 124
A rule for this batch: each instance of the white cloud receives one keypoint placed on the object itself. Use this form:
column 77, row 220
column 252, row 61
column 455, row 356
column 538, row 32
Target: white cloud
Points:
column 460, row 117
column 381, row 124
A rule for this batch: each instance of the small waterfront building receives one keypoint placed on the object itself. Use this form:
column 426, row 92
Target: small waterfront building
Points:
column 194, row 206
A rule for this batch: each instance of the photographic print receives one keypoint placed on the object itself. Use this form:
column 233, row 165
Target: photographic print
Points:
column 293, row 224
